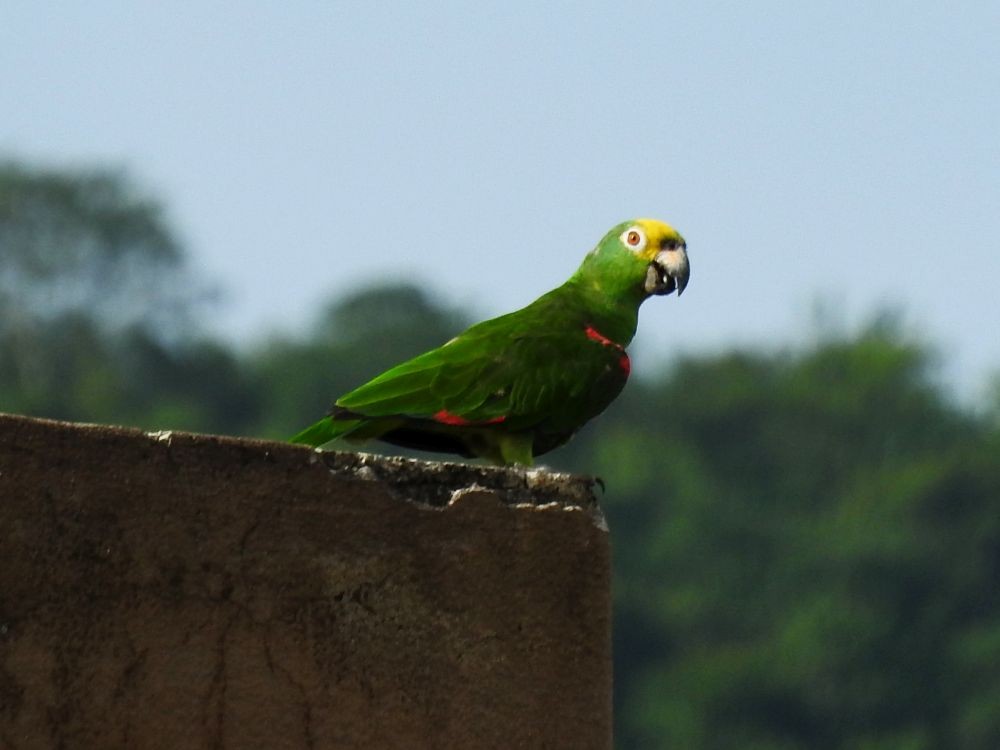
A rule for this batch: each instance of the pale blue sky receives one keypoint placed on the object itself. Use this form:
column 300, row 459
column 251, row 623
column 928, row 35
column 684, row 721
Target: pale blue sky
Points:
column 843, row 150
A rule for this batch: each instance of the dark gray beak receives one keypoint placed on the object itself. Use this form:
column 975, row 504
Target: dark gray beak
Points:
column 669, row 271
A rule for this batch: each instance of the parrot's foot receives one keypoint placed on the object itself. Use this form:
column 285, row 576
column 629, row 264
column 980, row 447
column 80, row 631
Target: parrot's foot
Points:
column 517, row 449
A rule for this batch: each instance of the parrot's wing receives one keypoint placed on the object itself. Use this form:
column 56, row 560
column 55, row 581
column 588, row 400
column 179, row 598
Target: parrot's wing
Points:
column 455, row 378
column 487, row 376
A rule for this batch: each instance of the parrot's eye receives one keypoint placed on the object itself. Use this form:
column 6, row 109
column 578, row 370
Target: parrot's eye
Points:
column 634, row 238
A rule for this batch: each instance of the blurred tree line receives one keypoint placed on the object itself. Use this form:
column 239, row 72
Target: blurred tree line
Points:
column 807, row 542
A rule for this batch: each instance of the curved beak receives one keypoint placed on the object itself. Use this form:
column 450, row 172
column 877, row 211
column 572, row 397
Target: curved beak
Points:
column 668, row 271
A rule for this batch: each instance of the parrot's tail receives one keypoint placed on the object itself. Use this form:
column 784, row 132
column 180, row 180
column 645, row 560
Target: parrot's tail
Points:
column 323, row 432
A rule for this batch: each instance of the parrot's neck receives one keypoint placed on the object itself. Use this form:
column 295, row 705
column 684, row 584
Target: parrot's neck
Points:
column 614, row 313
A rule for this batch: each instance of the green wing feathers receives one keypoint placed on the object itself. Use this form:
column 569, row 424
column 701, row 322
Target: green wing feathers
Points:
column 500, row 383
column 441, row 380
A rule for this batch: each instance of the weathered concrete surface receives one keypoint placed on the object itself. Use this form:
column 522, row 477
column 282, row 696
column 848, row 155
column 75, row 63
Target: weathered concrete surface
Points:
column 182, row 591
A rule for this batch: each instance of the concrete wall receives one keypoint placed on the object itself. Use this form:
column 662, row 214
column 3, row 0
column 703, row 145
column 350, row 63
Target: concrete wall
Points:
column 184, row 591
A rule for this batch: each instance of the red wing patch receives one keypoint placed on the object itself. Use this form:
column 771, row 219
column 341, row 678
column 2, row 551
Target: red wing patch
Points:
column 446, row 417
column 594, row 335
column 623, row 361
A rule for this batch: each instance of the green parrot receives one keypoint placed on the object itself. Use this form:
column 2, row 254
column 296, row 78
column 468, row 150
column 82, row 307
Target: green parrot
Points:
column 517, row 386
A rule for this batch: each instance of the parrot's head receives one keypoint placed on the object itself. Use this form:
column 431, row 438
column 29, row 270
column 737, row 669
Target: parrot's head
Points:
column 644, row 256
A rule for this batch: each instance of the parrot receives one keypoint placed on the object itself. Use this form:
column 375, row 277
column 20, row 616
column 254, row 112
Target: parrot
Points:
column 517, row 386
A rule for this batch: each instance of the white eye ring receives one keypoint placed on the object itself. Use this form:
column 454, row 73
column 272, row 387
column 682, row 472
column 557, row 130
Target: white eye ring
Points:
column 634, row 239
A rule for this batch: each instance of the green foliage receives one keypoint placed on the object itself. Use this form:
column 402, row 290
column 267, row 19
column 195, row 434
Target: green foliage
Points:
column 807, row 553
column 96, row 305
column 807, row 542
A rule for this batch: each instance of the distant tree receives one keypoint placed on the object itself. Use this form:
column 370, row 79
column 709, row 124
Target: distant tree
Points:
column 98, row 309
column 88, row 242
column 389, row 318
